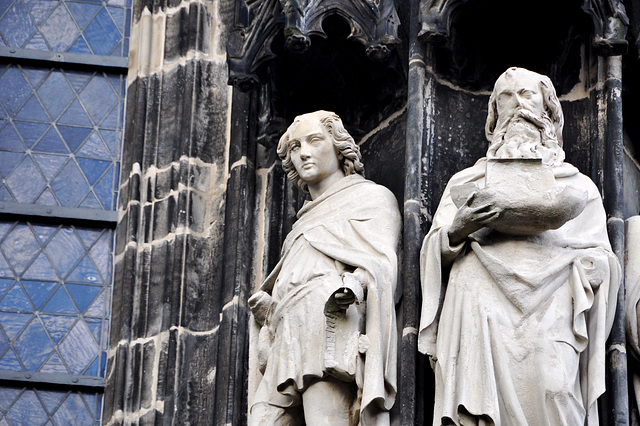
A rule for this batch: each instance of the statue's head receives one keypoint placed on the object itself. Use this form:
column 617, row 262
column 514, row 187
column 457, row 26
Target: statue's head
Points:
column 327, row 125
column 525, row 118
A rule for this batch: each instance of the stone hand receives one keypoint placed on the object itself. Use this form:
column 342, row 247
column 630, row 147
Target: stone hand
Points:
column 344, row 297
column 470, row 218
column 261, row 305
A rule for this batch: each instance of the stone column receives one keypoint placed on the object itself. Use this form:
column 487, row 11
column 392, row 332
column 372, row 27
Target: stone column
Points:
column 169, row 299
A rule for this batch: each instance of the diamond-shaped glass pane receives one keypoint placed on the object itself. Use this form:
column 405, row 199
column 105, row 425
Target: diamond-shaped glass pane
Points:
column 71, row 122
column 58, row 26
column 29, row 406
column 54, row 298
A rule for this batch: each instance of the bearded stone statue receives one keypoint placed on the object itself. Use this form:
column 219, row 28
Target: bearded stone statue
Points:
column 519, row 281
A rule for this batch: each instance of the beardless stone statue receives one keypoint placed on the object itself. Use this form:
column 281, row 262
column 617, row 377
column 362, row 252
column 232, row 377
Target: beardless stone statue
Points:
column 519, row 281
column 328, row 339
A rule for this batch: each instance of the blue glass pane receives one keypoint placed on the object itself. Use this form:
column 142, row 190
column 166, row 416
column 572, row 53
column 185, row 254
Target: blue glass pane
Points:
column 33, row 347
column 80, row 46
column 4, row 194
column 54, row 365
column 51, row 399
column 95, row 148
column 27, row 410
column 4, row 342
column 40, row 10
column 20, row 248
column 74, row 408
column 60, row 303
column 95, row 325
column 13, row 324
column 70, row 186
column 97, row 309
column 65, row 251
column 98, row 98
column 4, row 5
column 83, row 295
column 94, row 367
column 75, row 115
column 78, row 79
column 118, row 16
column 5, row 284
column 26, row 182
column 41, row 269
column 37, row 42
column 91, row 202
column 88, row 236
column 51, row 142
column 85, row 272
column 74, row 136
column 9, row 361
column 16, row 26
column 32, row 110
column 14, row 90
column 57, row 326
column 9, row 161
column 59, row 29
column 38, row 291
column 30, row 132
column 104, row 190
column 50, row 165
column 10, row 141
column 82, row 12
column 16, row 301
column 93, row 169
column 102, row 34
column 56, row 94
column 78, row 348
column 35, row 75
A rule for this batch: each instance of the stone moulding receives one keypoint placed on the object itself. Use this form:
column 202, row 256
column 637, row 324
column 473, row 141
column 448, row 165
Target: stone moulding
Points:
column 609, row 20
column 257, row 22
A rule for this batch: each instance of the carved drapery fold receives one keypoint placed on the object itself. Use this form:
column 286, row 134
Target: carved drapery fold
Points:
column 609, row 19
column 374, row 23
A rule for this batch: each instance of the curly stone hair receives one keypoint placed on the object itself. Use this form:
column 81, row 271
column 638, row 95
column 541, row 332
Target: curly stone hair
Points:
column 348, row 152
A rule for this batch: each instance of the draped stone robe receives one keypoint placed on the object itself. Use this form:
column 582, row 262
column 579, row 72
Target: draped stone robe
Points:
column 516, row 325
column 352, row 228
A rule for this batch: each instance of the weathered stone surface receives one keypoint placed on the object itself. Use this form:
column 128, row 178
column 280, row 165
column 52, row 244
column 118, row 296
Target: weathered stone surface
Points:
column 309, row 306
column 514, row 299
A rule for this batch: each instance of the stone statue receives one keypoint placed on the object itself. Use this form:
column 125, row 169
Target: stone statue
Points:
column 632, row 311
column 327, row 345
column 519, row 282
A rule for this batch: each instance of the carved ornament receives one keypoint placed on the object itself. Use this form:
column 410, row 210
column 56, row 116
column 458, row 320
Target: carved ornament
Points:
column 374, row 23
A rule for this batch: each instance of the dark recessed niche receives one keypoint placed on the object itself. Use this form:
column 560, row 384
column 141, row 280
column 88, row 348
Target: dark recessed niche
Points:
column 631, row 97
column 335, row 74
column 489, row 36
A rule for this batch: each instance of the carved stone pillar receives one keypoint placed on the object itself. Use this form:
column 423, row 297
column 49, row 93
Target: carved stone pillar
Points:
column 168, row 363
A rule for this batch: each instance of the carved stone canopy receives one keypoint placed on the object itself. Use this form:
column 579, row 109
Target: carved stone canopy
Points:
column 608, row 16
column 374, row 23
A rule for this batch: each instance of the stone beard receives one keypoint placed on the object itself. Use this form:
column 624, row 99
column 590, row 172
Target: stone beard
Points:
column 342, row 245
column 516, row 324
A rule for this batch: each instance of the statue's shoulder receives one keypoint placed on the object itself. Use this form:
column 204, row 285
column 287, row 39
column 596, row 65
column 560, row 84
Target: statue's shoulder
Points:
column 573, row 176
column 375, row 191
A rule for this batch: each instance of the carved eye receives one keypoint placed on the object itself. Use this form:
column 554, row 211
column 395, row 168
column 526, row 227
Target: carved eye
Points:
column 295, row 146
column 528, row 94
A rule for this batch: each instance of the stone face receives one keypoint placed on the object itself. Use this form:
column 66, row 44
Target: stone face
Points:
column 325, row 350
column 528, row 305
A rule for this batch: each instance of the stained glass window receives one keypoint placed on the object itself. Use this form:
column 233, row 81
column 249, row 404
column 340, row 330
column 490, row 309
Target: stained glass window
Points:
column 92, row 27
column 61, row 130
column 60, row 134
